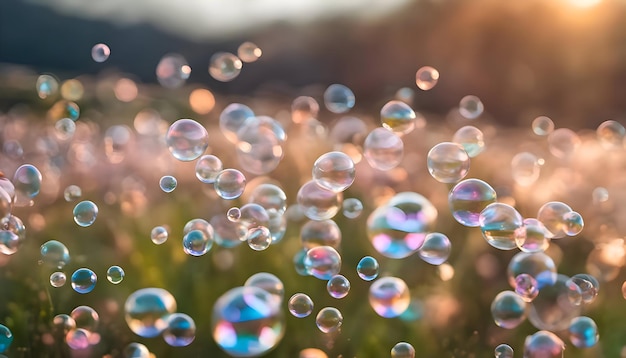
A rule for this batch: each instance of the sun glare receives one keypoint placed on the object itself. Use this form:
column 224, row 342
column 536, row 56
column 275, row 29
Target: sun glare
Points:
column 584, row 3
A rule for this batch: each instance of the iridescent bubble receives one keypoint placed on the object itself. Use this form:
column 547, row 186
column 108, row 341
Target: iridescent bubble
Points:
column 252, row 216
column 500, row 225
column 583, row 332
column 168, row 183
column 508, row 309
column 136, row 350
column 538, row 265
column 334, row 171
column 46, row 86
column 352, row 208
column 503, row 351
column 329, row 319
column 57, row 279
column 72, row 193
column 304, row 108
column 230, row 184
column 197, row 242
column 6, row 338
column 556, row 305
column 247, row 322
column 322, row 262
column 249, row 52
column 172, row 71
column 426, row 78
column 318, row 203
column 543, row 344
column 471, row 139
column 55, row 254
column 526, row 287
column 389, row 297
column 259, row 238
column 611, row 135
column 27, row 182
column 9, row 242
column 300, row 305
column 78, row 338
column 65, row 128
column 100, row 52
column 471, row 107
column 14, row 225
column 600, row 195
column 436, row 248
column 403, row 350
column 563, row 142
column 383, row 149
column 233, row 118
column 468, row 199
column 63, row 323
column 146, row 311
column 551, row 216
column 398, row 117
column 207, row 168
column 268, row 282
column 186, row 139
column 233, row 214
column 115, row 274
column 589, row 286
column 159, row 235
column 448, row 162
column 573, row 223
column 367, row 268
column 338, row 286
column 320, row 233
column 525, row 169
column 259, row 149
column 532, row 236
column 180, row 330
column 542, row 126
column 269, row 196
column 86, row 318
column 225, row 66
column 84, row 280
column 85, row 213
column 338, row 98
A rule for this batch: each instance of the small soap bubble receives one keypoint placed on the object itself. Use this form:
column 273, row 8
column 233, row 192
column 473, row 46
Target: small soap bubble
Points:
column 230, row 184
column 436, row 249
column 57, row 279
column 352, row 208
column 471, row 139
column 115, row 274
column 84, row 280
column 426, row 78
column 78, row 339
column 338, row 98
column 233, row 118
column 186, row 139
column 503, row 351
column 197, row 242
column 27, row 183
column 63, row 323
column 334, row 171
column 563, row 143
column 55, row 254
column 320, row 233
column 6, row 338
column 329, row 319
column 300, row 305
column 367, row 268
column 172, row 71
column 225, row 66
column 389, row 297
column 383, row 149
column 573, row 223
column 233, row 214
column 207, row 168
column 526, row 287
column 500, row 225
column 322, row 262
column 259, row 150
column 136, row 350
column 269, row 282
column 589, row 286
column 600, row 195
column 525, row 169
column 86, row 318
column 146, row 311
column 269, row 196
column 555, row 305
column 611, row 135
column 304, row 108
column 318, row 203
column 159, row 235
column 468, row 199
column 448, row 162
column 533, row 236
column 542, row 126
column 508, row 309
column 9, row 242
column 398, row 117
column 551, row 216
column 47, row 86
column 72, row 193
column 259, row 238
column 583, row 332
column 85, row 213
column 168, row 183
column 100, row 52
column 471, row 107
column 338, row 286
column 180, row 330
column 249, row 52
column 403, row 350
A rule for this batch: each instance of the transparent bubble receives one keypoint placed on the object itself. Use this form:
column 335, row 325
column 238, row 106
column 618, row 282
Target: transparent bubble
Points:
column 563, row 142
column 611, row 135
column 249, row 52
column 320, row 233
column 57, row 279
column 9, row 242
column 100, row 52
column 63, row 323
column 259, row 238
column 6, row 338
column 403, row 349
column 47, row 86
column 159, row 235
column 72, row 193
column 555, row 305
column 136, row 350
column 352, row 208
column 526, row 287
column 233, row 214
column 168, row 183
column 508, row 309
column 172, row 71
column 197, row 242
column 115, row 274
column 225, row 66
column 334, row 171
column 471, row 139
column 16, row 226
column 85, row 213
column 86, row 318
column 500, row 225
column 247, row 322
column 180, row 330
column 268, row 282
column 426, row 78
column 230, row 184
column 55, row 254
column 207, row 168
column 318, row 203
column 583, row 332
column 27, row 182
column 525, row 169
column 338, row 286
column 542, row 126
column 367, row 268
column 65, row 128
column 573, row 223
column 338, row 98
column 600, row 195
column 589, row 286
column 329, row 319
column 322, row 262
column 186, row 139
column 146, row 311
column 532, row 236
column 551, row 216
column 226, row 233
column 382, row 149
column 78, row 338
column 84, row 280
column 436, row 248
column 389, row 297
column 304, row 108
column 448, row 162
column 503, row 351
column 259, row 149
column 398, row 117
column 471, row 107
column 269, row 196
column 233, row 118
column 543, row 344
column 300, row 305
column 538, row 265
column 468, row 199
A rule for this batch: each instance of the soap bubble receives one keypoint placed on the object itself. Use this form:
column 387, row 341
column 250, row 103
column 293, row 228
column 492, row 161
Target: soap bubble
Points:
column 84, row 280
column 78, row 338
column 197, row 242
column 338, row 98
column 186, row 139
column 329, row 319
column 611, row 135
column 398, row 117
column 57, row 279
column 318, row 203
column 600, row 195
column 115, row 274
column 300, row 305
column 471, row 107
column 526, row 287
column 436, row 248
column 508, row 309
column 159, row 235
column 180, row 330
column 320, row 233
column 538, row 265
column 532, row 236
column 551, row 216
column 323, row 262
column 9, row 242
column 542, row 126
column 168, row 183
column 503, row 351
column 47, row 86
column 85, row 213
column 500, row 225
column 304, row 108
column 55, row 254
column 72, row 193
column 589, row 286
column 563, row 142
column 63, row 323
column 207, row 168
column 6, row 338
column 367, row 268
column 249, row 52
column 269, row 283
column 471, row 139
column 583, row 332
column 543, row 344
column 352, row 208
column 100, row 52
column 172, row 71
column 14, row 225
column 468, row 199
column 247, row 322
column 525, row 168
column 27, row 182
column 252, row 216
column 259, row 149
column 233, row 118
column 556, row 305
column 338, row 286
column 426, row 78
column 448, row 162
column 146, row 311
column 382, row 149
column 573, row 223
column 233, row 214
column 269, row 196
column 334, row 171
column 230, row 184
column 86, row 318
column 259, row 238
column 136, row 350
column 389, row 297
column 403, row 350
column 225, row 66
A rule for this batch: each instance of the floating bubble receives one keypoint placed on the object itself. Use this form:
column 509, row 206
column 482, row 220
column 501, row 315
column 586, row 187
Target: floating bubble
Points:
column 6, row 338
column 405, row 94
column 72, row 193
column 233, row 214
column 63, row 323
column 471, row 107
column 100, row 52
column 508, row 309
column 207, row 168
column 322, row 262
column 338, row 286
column 300, row 305
column 136, row 350
column 252, row 216
column 471, row 139
column 543, row 344
column 382, row 149
column 329, row 319
column 555, row 305
column 269, row 283
column 172, row 71
column 448, row 162
column 573, row 223
column 551, row 216
column 542, row 126
column 426, row 78
column 233, row 118
column 403, row 350
column 159, row 235
column 525, row 169
column 600, row 195
column 85, row 213
column 269, row 196
column 304, row 108
column 27, row 182
column 352, row 208
column 526, row 287
column 47, row 86
column 320, row 233
column 78, row 338
column 389, row 297
column 259, row 149
column 57, row 279
column 589, row 286
column 532, row 236
column 115, row 274
column 500, row 225
column 611, row 135
column 86, row 318
column 367, row 268
column 84, row 280
column 563, row 142
column 338, row 98
column 168, row 183
column 180, row 330
column 468, row 199
column 436, row 248
column 225, row 66
column 259, row 238
column 16, row 226
column 146, row 311
column 9, row 242
column 583, row 332
column 398, row 117
column 230, row 184
column 334, row 171
column 538, row 265
column 249, row 52
column 65, row 128
column 318, row 203
column 247, row 322
column 55, row 254
column 503, row 351
column 186, row 139
column 197, row 242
